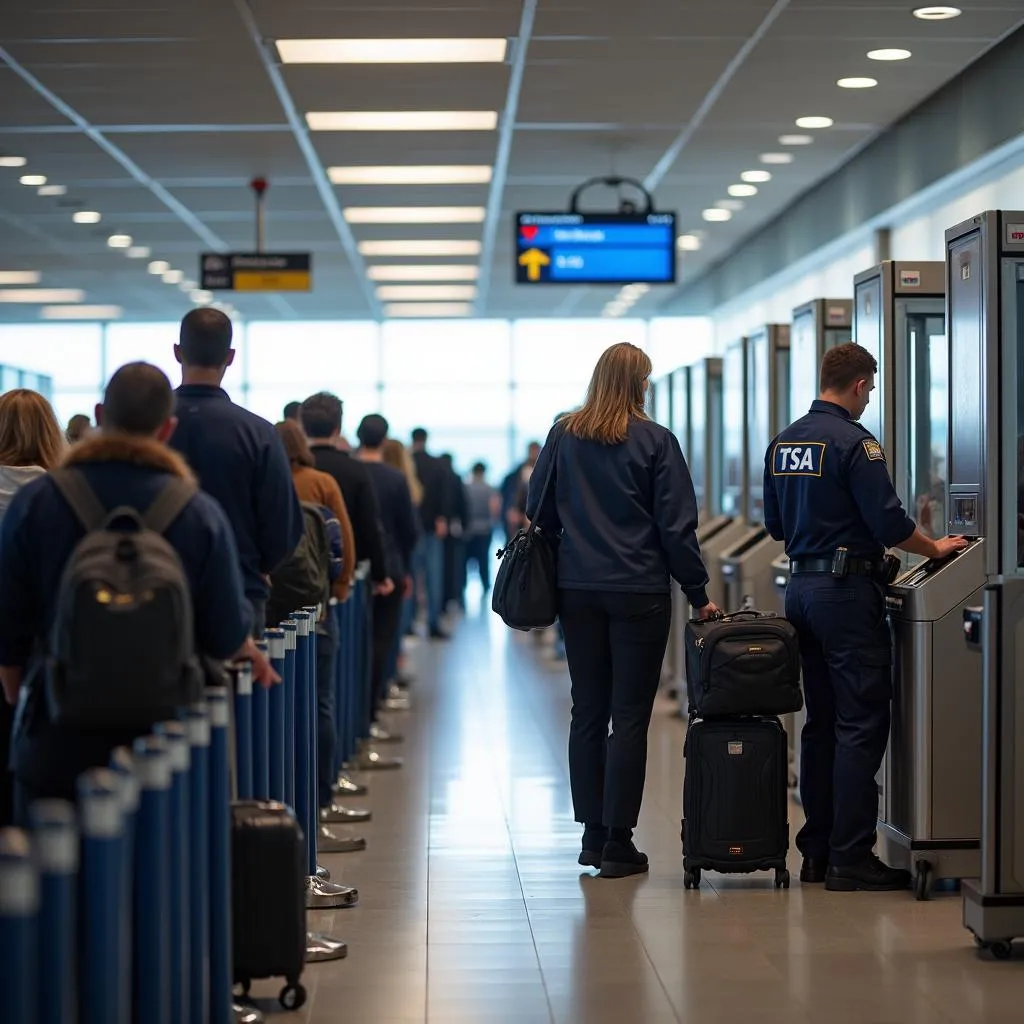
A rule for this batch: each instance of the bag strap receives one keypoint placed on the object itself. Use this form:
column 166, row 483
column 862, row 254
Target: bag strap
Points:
column 77, row 492
column 168, row 505
column 547, row 481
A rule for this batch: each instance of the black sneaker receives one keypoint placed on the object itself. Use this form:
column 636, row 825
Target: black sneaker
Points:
column 593, row 845
column 870, row 874
column 813, row 870
column 619, row 860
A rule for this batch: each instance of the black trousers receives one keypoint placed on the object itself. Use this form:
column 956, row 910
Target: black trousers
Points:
column 614, row 644
column 387, row 618
column 478, row 549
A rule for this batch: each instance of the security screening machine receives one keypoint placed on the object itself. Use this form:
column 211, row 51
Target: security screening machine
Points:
column 746, row 567
column 985, row 281
column 928, row 818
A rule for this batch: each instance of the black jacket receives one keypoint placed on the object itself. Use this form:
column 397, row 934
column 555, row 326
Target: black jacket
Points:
column 433, row 476
column 397, row 517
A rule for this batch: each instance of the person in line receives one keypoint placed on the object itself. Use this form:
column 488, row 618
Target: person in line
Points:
column 456, row 513
column 622, row 498
column 126, row 464
column 236, row 455
column 429, row 561
column 292, row 411
column 514, row 490
column 31, row 444
column 401, row 531
column 827, row 488
column 483, row 506
column 79, row 428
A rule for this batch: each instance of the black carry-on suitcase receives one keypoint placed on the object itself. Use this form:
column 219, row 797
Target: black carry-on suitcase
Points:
column 268, row 897
column 735, row 807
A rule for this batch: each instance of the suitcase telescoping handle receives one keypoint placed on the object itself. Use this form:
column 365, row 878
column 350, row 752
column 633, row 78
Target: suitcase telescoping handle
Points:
column 732, row 616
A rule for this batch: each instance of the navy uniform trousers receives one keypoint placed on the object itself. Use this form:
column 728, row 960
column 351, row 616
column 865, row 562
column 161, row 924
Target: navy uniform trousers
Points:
column 846, row 655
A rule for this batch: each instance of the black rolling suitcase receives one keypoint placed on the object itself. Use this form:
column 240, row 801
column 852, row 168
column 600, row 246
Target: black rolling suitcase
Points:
column 268, row 897
column 735, row 810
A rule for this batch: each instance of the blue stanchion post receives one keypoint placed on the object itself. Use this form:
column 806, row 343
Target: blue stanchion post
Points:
column 104, row 964
column 19, row 923
column 275, row 651
column 55, row 838
column 221, row 967
column 198, row 722
column 290, row 627
column 335, row 611
column 176, row 735
column 261, row 737
column 122, row 764
column 241, row 675
column 152, row 939
column 303, row 738
column 313, row 665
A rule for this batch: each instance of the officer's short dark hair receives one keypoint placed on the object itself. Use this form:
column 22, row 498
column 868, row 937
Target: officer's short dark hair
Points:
column 372, row 431
column 138, row 399
column 205, row 338
column 844, row 365
column 419, row 436
column 292, row 410
column 321, row 415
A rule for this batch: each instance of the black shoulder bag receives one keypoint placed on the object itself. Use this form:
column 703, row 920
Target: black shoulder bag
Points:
column 526, row 586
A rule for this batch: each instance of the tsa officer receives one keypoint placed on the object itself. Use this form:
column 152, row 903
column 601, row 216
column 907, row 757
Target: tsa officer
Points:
column 829, row 496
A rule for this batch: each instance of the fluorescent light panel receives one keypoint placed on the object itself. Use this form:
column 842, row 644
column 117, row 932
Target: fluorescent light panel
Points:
column 87, row 217
column 415, row 214
column 756, row 176
column 688, row 243
column 13, row 161
column 857, row 83
column 119, row 241
column 19, row 276
column 889, row 53
column 402, row 120
column 158, row 267
column 33, row 179
column 795, row 140
column 138, row 252
column 937, row 13
column 716, row 214
column 80, row 312
column 420, row 247
column 470, row 174
column 52, row 190
column 423, row 272
column 425, row 310
column 426, row 292
column 776, row 158
column 392, row 51
column 742, row 190
column 173, row 276
column 814, row 122
column 41, row 295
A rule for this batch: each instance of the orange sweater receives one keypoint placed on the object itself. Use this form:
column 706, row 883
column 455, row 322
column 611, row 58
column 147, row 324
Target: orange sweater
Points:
column 322, row 489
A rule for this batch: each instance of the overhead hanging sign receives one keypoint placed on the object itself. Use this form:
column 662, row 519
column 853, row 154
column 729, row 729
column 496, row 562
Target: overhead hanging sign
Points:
column 256, row 272
column 595, row 248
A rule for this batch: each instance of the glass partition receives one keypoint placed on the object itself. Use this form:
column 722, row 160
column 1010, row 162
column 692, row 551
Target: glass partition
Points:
column 680, row 424
column 733, row 468
column 803, row 364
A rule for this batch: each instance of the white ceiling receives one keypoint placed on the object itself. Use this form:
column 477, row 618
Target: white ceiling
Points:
column 157, row 113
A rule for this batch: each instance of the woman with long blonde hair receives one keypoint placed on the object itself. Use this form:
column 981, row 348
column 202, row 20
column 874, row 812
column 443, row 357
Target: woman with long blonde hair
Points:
column 397, row 456
column 622, row 499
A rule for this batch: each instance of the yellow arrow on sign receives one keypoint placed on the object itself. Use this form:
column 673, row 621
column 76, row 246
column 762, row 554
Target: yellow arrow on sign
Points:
column 533, row 260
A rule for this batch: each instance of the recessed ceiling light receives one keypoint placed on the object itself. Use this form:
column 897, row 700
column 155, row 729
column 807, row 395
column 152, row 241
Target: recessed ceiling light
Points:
column 425, row 310
column 41, row 295
column 420, row 247
column 795, row 140
column 20, row 276
column 188, row 285
column 172, row 276
column 158, row 267
column 730, row 204
column 689, row 243
column 52, row 190
column 200, row 296
column 716, row 214
column 757, row 176
column 937, row 13
column 119, row 241
column 80, row 312
column 392, row 51
column 742, row 190
column 814, row 122
column 856, row 83
column 427, row 292
column 776, row 158
column 415, row 214
column 423, row 272
column 475, row 174
column 138, row 252
column 892, row 53
column 86, row 217
column 13, row 161
column 33, row 179
column 402, row 120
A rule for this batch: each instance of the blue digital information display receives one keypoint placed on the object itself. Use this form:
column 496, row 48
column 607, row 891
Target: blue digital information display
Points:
column 595, row 248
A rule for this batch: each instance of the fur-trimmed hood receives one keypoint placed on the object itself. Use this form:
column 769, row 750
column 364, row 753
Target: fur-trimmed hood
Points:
column 139, row 451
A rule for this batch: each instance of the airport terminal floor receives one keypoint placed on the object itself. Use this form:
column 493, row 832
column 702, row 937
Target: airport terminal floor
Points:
column 474, row 910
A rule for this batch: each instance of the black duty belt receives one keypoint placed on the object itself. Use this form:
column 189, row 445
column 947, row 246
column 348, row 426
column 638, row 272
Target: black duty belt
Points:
column 854, row 566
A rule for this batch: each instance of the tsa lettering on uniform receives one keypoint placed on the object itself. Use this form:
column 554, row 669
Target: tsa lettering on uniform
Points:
column 874, row 451
column 798, row 458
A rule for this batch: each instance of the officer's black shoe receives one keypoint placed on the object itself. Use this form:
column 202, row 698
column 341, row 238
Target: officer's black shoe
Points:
column 594, row 839
column 813, row 870
column 619, row 859
column 870, row 874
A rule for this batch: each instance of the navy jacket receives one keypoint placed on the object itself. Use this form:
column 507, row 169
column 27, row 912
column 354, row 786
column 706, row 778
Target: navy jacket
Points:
column 434, row 477
column 397, row 517
column 826, row 485
column 240, row 461
column 37, row 536
column 627, row 513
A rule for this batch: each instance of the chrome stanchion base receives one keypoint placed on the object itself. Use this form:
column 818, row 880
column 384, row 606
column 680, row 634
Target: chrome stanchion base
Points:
column 346, row 787
column 322, row 873
column 320, row 948
column 336, row 814
column 322, row 895
column 329, row 842
column 378, row 734
column 243, row 1013
column 374, row 761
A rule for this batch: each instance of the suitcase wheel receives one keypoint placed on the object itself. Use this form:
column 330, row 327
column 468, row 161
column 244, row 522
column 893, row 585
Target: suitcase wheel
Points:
column 691, row 878
column 781, row 879
column 292, row 996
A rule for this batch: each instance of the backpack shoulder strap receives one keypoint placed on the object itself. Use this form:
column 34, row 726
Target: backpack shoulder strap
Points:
column 168, row 505
column 81, row 497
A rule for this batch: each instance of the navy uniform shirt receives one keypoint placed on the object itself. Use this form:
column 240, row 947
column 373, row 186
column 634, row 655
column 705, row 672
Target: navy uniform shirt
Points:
column 826, row 485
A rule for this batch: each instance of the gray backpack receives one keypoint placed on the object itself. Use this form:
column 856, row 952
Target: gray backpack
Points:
column 121, row 654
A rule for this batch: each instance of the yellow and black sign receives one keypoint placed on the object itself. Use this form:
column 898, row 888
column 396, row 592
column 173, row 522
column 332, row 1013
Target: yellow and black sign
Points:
column 534, row 260
column 256, row 272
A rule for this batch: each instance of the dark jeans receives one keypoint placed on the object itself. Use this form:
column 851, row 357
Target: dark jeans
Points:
column 846, row 655
column 428, row 568
column 478, row 549
column 615, row 644
column 326, row 730
column 387, row 618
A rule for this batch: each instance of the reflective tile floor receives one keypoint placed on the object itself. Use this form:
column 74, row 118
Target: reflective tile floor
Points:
column 474, row 911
